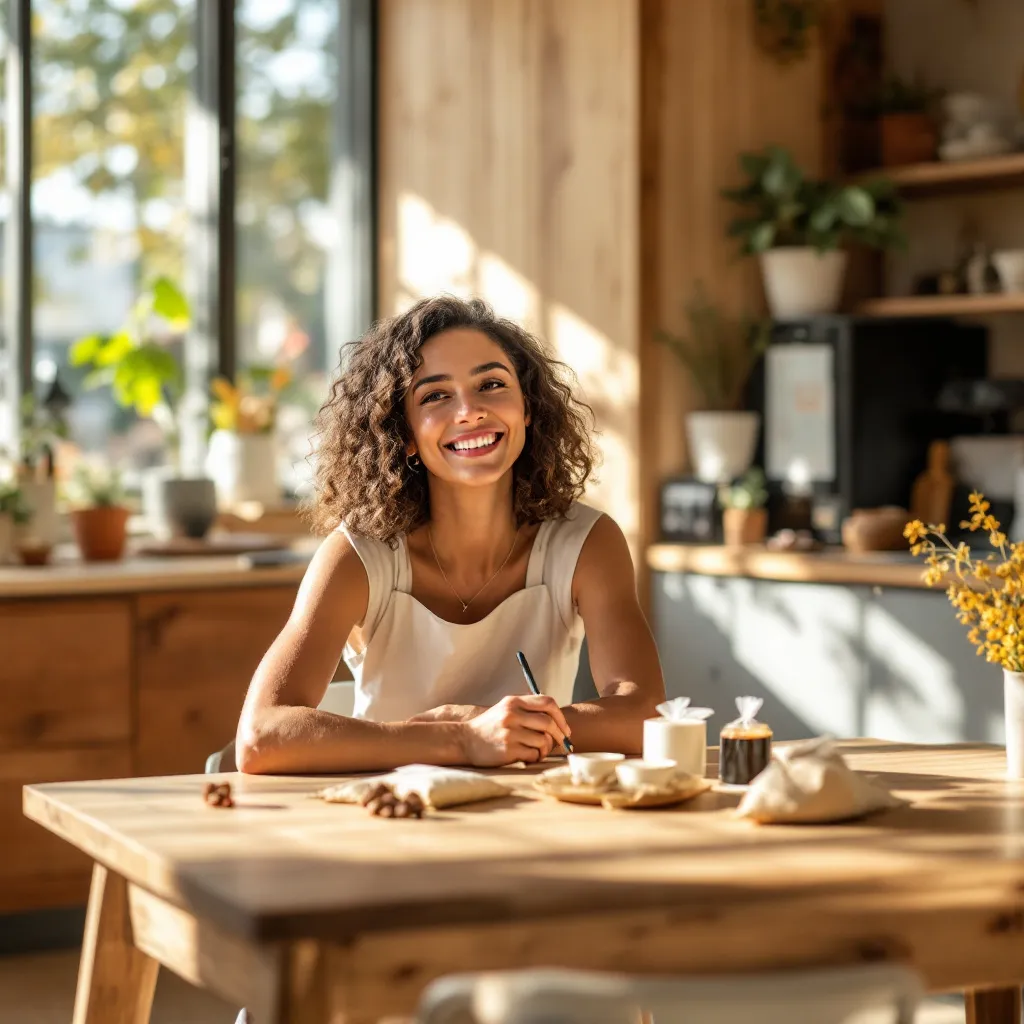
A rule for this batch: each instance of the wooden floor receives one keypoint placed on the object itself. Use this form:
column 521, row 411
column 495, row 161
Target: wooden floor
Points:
column 40, row 989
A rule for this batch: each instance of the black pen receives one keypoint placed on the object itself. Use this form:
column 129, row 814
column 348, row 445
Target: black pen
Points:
column 535, row 690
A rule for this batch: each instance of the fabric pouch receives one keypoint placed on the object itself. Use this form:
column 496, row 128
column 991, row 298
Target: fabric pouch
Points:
column 436, row 787
column 808, row 783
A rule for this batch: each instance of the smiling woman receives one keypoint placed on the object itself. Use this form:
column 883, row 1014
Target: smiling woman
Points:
column 452, row 456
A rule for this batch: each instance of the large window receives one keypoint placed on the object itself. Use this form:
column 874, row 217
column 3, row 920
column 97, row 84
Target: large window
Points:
column 287, row 59
column 170, row 135
column 110, row 85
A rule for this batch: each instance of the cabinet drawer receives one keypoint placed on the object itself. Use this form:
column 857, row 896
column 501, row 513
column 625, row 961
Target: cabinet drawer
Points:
column 36, row 868
column 197, row 652
column 65, row 672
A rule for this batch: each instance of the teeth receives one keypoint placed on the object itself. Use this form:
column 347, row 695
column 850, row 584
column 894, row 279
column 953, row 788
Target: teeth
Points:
column 476, row 442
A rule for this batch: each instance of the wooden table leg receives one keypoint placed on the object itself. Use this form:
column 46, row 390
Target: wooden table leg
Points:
column 994, row 1006
column 115, row 980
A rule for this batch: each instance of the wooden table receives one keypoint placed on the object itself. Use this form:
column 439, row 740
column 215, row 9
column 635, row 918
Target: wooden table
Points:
column 308, row 912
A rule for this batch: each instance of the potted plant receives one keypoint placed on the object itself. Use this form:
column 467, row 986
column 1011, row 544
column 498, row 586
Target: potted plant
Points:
column 988, row 594
column 144, row 375
column 796, row 225
column 744, row 516
column 908, row 128
column 99, row 517
column 241, row 458
column 719, row 351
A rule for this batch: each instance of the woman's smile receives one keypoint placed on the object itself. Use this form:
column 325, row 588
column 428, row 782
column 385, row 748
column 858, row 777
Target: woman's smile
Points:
column 475, row 444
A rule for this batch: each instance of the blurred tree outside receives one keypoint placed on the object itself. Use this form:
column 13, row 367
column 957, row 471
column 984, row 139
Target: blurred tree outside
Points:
column 113, row 81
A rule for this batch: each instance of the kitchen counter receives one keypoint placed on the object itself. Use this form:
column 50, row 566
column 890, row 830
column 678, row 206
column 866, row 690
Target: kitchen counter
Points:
column 829, row 565
column 69, row 577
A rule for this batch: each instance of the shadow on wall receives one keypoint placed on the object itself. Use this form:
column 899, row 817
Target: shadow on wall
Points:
column 850, row 661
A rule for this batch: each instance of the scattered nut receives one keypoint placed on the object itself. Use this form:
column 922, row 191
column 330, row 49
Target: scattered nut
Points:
column 382, row 802
column 218, row 794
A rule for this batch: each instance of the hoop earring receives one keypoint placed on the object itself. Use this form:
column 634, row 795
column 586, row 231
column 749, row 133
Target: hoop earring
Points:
column 413, row 461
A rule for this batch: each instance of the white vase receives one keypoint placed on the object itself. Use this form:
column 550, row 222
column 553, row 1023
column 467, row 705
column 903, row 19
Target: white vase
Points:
column 6, row 538
column 721, row 444
column 41, row 498
column 1013, row 714
column 243, row 467
column 801, row 281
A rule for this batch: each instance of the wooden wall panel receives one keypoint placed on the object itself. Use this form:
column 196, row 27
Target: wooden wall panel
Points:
column 509, row 169
column 707, row 93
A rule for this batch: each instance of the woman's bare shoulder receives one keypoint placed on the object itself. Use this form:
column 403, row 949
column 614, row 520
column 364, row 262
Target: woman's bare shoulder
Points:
column 335, row 582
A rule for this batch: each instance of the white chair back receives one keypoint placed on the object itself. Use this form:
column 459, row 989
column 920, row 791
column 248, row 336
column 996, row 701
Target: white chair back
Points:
column 875, row 993
column 340, row 698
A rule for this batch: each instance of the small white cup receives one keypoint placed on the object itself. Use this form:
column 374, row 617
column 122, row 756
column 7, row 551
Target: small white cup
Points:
column 684, row 741
column 635, row 773
column 593, row 769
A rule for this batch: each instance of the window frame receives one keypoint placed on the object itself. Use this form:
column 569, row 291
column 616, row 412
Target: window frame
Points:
column 211, row 172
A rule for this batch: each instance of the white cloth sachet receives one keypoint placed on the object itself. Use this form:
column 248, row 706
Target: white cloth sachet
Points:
column 678, row 710
column 436, row 787
column 810, row 783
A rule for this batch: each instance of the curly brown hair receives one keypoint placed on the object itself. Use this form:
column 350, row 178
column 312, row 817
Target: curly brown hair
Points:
column 361, row 475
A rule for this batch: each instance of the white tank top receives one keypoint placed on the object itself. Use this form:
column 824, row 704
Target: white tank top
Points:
column 413, row 660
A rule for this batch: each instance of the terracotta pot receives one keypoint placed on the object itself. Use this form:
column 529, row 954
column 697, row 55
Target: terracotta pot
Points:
column 876, row 529
column 744, row 526
column 908, row 139
column 100, row 532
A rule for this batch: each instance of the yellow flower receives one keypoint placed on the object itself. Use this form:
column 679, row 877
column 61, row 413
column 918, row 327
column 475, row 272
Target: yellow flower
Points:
column 915, row 531
column 997, row 539
column 280, row 378
column 983, row 571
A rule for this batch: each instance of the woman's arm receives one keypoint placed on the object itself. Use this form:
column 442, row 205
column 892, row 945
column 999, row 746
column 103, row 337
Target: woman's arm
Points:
column 623, row 656
column 281, row 731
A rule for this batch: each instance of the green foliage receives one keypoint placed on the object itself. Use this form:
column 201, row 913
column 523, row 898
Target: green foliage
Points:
column 95, row 485
column 142, row 373
column 898, row 96
column 750, row 491
column 719, row 351
column 13, row 503
column 782, row 207
column 783, row 27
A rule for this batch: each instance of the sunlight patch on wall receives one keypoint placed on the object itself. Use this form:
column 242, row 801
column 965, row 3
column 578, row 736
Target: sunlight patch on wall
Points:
column 511, row 294
column 435, row 254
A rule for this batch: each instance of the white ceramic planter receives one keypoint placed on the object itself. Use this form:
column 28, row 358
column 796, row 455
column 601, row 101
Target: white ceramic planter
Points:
column 6, row 538
column 176, row 506
column 243, row 467
column 721, row 444
column 41, row 498
column 1013, row 713
column 802, row 282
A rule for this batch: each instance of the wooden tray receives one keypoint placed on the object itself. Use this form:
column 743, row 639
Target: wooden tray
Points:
column 219, row 544
column 558, row 783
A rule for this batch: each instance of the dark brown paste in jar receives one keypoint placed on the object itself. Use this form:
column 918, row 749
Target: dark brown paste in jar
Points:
column 744, row 753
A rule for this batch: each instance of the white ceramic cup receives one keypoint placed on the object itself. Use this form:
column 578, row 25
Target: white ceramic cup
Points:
column 593, row 769
column 684, row 741
column 634, row 772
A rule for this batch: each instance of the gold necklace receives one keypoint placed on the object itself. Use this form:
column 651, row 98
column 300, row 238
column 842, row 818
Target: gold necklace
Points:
column 466, row 604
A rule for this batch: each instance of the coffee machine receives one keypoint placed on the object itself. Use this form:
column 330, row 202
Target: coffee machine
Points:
column 849, row 405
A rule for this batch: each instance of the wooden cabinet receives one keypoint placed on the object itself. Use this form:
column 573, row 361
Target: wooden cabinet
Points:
column 96, row 687
column 36, row 868
column 65, row 672
column 197, row 651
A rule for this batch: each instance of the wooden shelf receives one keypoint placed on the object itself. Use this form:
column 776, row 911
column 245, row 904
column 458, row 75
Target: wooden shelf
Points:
column 946, row 178
column 944, row 305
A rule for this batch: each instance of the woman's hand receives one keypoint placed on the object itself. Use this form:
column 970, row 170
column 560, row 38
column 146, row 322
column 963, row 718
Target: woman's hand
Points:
column 450, row 713
column 525, row 728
